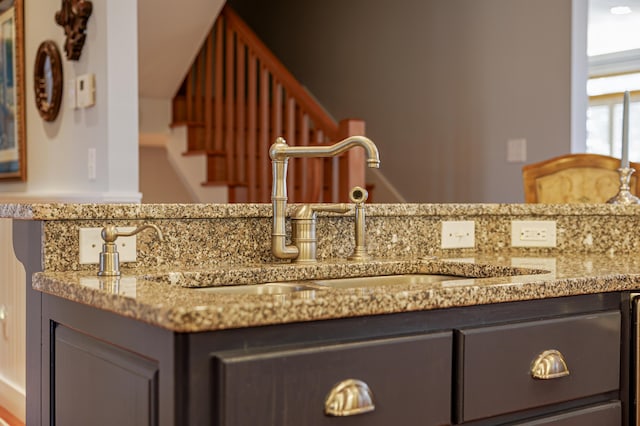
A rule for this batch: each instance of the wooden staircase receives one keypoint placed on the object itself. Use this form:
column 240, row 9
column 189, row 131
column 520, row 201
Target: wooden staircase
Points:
column 237, row 98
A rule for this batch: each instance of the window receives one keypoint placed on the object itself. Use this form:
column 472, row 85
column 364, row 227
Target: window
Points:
column 604, row 115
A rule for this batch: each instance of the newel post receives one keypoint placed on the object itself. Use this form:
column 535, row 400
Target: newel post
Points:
column 352, row 164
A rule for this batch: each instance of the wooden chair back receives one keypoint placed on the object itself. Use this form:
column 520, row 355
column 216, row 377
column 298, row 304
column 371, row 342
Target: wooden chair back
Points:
column 575, row 178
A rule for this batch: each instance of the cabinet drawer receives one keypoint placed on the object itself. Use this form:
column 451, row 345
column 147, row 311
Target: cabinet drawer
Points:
column 409, row 378
column 609, row 414
column 496, row 363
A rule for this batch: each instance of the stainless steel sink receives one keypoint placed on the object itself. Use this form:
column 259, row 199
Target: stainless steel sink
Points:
column 258, row 289
column 383, row 280
column 309, row 287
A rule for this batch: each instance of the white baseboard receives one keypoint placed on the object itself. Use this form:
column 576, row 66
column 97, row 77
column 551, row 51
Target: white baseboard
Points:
column 13, row 398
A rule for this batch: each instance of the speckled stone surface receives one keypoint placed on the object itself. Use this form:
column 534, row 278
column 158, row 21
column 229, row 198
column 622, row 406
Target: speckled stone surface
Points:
column 153, row 299
column 212, row 235
column 221, row 245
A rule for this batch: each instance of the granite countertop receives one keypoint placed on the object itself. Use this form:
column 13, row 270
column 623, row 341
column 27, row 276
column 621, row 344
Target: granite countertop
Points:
column 164, row 299
column 63, row 211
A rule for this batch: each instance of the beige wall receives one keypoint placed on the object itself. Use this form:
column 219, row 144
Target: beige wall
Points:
column 159, row 182
column 58, row 151
column 442, row 84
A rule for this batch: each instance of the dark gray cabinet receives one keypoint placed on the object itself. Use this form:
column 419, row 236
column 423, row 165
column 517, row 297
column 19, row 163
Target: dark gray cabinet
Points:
column 497, row 361
column 98, row 383
column 409, row 378
column 466, row 365
column 596, row 415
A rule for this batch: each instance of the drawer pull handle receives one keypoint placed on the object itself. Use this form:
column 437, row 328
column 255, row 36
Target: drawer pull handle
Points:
column 348, row 398
column 549, row 364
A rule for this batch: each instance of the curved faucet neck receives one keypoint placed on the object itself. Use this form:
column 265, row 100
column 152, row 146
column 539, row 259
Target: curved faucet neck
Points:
column 280, row 152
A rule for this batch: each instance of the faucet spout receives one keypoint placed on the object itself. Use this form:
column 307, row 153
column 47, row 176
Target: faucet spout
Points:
column 280, row 153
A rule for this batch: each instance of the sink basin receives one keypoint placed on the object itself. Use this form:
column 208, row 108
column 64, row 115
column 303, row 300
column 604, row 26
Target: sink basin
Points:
column 258, row 289
column 383, row 280
column 308, row 288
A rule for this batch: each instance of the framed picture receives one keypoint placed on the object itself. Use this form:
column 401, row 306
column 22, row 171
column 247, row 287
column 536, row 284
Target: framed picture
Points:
column 12, row 127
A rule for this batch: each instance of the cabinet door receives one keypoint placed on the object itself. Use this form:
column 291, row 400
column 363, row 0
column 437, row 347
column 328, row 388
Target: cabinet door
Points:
column 609, row 414
column 100, row 384
column 496, row 374
column 409, row 378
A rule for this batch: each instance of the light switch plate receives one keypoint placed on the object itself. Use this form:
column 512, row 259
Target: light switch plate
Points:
column 86, row 90
column 533, row 233
column 517, row 150
column 458, row 234
column 91, row 245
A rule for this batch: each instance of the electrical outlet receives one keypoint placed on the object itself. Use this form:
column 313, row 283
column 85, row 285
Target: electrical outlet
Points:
column 91, row 245
column 458, row 234
column 533, row 233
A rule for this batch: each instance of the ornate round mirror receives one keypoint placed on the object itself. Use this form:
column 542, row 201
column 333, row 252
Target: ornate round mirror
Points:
column 47, row 75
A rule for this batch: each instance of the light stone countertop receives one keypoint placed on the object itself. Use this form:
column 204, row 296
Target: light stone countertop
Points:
column 163, row 298
column 229, row 244
column 64, row 211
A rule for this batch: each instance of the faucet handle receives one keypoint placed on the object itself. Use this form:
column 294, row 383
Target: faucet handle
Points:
column 335, row 208
column 308, row 211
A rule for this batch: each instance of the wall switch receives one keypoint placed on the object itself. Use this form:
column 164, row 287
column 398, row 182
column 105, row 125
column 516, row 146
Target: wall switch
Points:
column 91, row 245
column 458, row 234
column 86, row 90
column 517, row 150
column 533, row 233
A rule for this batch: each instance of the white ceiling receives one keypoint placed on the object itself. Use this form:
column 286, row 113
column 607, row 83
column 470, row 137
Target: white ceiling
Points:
column 613, row 33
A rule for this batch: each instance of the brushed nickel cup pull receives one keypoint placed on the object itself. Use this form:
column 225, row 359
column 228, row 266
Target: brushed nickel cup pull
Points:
column 349, row 398
column 550, row 364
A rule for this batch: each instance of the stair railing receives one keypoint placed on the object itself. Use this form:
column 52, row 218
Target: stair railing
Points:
column 237, row 98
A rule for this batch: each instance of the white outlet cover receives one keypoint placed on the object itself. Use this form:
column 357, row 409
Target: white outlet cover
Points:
column 522, row 232
column 458, row 234
column 91, row 245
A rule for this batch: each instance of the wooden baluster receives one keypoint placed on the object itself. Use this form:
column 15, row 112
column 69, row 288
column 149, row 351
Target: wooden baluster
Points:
column 229, row 136
column 208, row 93
column 301, row 191
column 263, row 139
column 336, row 195
column 316, row 171
column 199, row 105
column 241, row 106
column 189, row 93
column 276, row 111
column 219, row 73
column 290, row 135
column 240, row 126
column 252, row 130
